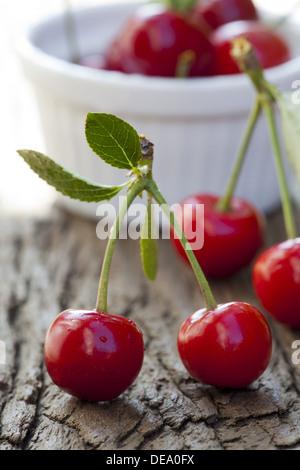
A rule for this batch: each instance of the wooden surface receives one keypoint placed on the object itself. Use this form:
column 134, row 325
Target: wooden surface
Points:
column 52, row 263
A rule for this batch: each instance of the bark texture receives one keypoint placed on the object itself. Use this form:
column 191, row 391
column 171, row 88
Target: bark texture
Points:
column 50, row 264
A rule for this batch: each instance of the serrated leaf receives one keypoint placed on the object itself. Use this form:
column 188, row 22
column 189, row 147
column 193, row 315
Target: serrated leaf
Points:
column 113, row 140
column 66, row 182
column 149, row 246
column 290, row 122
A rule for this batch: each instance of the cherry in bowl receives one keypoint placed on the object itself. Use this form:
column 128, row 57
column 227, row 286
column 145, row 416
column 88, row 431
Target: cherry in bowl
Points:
column 159, row 41
column 270, row 47
column 218, row 12
column 229, row 346
column 276, row 281
column 93, row 355
column 231, row 237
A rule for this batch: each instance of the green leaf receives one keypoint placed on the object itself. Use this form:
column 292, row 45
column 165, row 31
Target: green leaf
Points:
column 149, row 246
column 113, row 140
column 290, row 120
column 66, row 182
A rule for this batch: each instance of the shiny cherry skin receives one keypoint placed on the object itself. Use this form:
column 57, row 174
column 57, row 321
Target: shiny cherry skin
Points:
column 276, row 281
column 271, row 49
column 229, row 346
column 231, row 238
column 93, row 355
column 152, row 43
column 219, row 12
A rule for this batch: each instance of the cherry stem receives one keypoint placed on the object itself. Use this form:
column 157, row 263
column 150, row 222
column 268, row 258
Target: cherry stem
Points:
column 137, row 187
column 181, row 5
column 203, row 283
column 70, row 32
column 224, row 202
column 144, row 181
column 184, row 63
column 243, row 52
column 283, row 186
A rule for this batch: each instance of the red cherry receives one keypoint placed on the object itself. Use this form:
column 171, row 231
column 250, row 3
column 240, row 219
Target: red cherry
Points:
column 231, row 238
column 219, row 12
column 271, row 49
column 229, row 346
column 93, row 355
column 276, row 280
column 152, row 43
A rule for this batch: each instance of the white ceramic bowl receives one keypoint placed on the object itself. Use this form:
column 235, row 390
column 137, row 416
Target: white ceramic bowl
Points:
column 195, row 124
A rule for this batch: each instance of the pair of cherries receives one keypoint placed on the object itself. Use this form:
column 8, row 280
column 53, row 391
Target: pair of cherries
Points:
column 96, row 356
column 157, row 40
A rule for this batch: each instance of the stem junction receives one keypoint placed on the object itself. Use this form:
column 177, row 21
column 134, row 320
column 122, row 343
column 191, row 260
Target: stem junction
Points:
column 143, row 181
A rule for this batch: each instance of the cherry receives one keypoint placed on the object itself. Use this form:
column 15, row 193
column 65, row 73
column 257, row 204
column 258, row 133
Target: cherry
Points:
column 271, row 49
column 231, row 238
column 276, row 280
column 229, row 346
column 93, row 355
column 158, row 41
column 219, row 12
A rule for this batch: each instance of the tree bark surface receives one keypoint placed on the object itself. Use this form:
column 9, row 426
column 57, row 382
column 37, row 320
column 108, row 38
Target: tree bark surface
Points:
column 53, row 263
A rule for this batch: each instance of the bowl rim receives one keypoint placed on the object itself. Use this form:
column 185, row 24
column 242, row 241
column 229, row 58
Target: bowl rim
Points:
column 134, row 96
column 32, row 54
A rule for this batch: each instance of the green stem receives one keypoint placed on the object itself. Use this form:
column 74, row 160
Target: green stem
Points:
column 283, row 186
column 133, row 192
column 224, row 203
column 70, row 32
column 204, row 286
column 242, row 51
column 184, row 64
column 180, row 5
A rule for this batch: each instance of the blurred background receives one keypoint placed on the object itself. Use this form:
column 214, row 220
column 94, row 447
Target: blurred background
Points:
column 21, row 192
